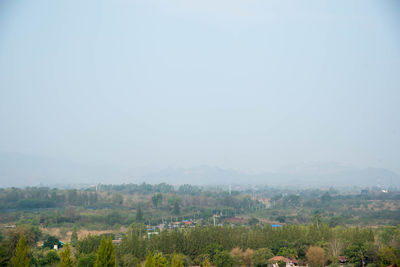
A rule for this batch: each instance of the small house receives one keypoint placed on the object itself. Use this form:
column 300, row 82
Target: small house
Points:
column 289, row 262
column 343, row 260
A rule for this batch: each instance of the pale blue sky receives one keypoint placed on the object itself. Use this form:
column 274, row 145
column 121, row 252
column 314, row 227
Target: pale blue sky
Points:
column 249, row 85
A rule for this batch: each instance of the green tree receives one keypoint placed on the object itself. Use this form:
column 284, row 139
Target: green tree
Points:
column 316, row 219
column 223, row 259
column 139, row 214
column 176, row 261
column 212, row 249
column 30, row 232
column 205, row 263
column 131, row 244
column 157, row 199
column 357, row 253
column 66, row 259
column 128, row 260
column 149, row 260
column 177, row 209
column 105, row 254
column 281, row 218
column 287, row 252
column 335, row 221
column 387, row 256
column 21, row 258
column 88, row 245
column 160, row 260
column 4, row 257
column 253, row 221
column 117, row 199
column 86, row 260
column 74, row 237
column 260, row 257
column 38, row 258
column 326, row 197
column 137, row 229
column 51, row 257
column 292, row 200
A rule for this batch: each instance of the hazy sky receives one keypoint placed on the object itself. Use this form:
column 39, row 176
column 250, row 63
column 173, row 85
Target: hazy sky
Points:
column 250, row 85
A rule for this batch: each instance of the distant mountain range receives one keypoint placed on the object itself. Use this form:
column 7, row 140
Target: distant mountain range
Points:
column 203, row 175
column 22, row 170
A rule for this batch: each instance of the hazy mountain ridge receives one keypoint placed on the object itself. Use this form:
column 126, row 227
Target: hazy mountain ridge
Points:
column 213, row 175
column 22, row 170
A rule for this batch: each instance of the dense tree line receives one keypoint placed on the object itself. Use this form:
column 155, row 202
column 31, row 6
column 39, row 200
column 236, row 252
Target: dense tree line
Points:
column 205, row 246
column 113, row 205
column 33, row 197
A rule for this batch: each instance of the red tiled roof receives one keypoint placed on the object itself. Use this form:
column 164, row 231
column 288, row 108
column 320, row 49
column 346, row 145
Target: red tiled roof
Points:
column 279, row 258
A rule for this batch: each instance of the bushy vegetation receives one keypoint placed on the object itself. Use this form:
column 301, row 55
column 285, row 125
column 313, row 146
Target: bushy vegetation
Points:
column 159, row 225
column 219, row 246
column 114, row 205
